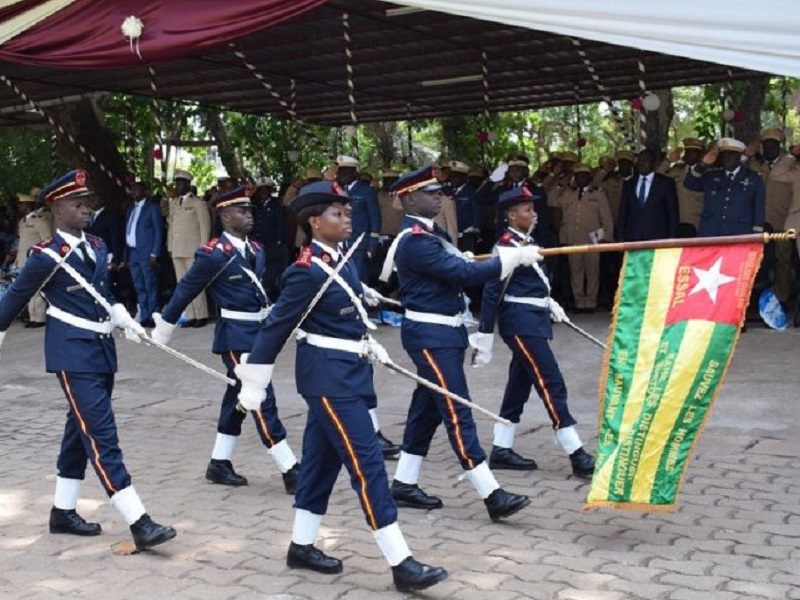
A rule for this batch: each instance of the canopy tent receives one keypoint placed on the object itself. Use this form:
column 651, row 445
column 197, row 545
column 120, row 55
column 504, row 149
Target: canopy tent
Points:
column 395, row 61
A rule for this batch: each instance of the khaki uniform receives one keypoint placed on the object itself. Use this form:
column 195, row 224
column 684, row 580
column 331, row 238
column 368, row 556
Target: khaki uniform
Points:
column 611, row 184
column 447, row 219
column 787, row 172
column 32, row 229
column 690, row 202
column 391, row 215
column 189, row 228
column 582, row 214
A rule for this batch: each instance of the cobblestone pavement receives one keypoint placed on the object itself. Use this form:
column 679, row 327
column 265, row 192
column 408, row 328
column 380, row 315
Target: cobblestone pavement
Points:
column 735, row 535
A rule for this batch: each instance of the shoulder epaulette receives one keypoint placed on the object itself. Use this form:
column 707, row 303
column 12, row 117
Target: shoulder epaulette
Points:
column 418, row 229
column 210, row 245
column 38, row 247
column 304, row 257
column 506, row 238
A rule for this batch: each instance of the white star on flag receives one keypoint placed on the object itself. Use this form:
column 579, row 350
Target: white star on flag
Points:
column 710, row 280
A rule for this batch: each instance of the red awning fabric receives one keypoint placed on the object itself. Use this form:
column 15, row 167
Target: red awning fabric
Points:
column 87, row 34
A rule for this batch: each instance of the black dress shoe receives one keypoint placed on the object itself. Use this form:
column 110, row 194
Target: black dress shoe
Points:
column 312, row 558
column 68, row 521
column 411, row 575
column 502, row 504
column 506, row 458
column 149, row 323
column 290, row 479
column 582, row 464
column 388, row 449
column 189, row 323
column 147, row 533
column 200, row 323
column 221, row 471
column 34, row 324
column 410, row 495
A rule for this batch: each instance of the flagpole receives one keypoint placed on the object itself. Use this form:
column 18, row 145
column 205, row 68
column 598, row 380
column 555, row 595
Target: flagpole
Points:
column 724, row 240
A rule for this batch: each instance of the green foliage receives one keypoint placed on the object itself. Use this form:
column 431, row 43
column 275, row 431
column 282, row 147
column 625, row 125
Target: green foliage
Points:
column 26, row 160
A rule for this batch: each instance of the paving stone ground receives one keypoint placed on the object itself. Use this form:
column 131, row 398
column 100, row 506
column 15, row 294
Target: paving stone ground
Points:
column 735, row 535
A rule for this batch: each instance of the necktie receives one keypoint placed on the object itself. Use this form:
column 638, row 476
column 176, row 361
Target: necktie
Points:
column 87, row 258
column 250, row 256
column 642, row 195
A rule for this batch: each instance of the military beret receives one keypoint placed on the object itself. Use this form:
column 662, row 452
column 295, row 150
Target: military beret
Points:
column 691, row 143
column 181, row 174
column 239, row 196
column 71, row 185
column 422, row 179
column 727, row 144
column 514, row 196
column 319, row 193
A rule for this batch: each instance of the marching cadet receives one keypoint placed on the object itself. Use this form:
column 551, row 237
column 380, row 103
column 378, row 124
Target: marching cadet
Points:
column 269, row 217
column 334, row 377
column 231, row 268
column 690, row 202
column 733, row 195
column 366, row 213
column 34, row 227
column 585, row 211
column 778, row 199
column 432, row 274
column 522, row 306
column 69, row 269
column 189, row 227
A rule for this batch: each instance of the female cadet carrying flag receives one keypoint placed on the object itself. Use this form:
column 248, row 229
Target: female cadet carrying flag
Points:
column 333, row 374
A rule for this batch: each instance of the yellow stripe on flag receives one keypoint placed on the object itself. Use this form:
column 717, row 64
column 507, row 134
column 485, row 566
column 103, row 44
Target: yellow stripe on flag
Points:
column 659, row 295
column 696, row 339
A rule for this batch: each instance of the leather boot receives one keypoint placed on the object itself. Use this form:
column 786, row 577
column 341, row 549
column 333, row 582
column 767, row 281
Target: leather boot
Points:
column 290, row 479
column 312, row 558
column 506, row 458
column 68, row 521
column 200, row 323
column 411, row 575
column 502, row 504
column 221, row 471
column 147, row 533
column 388, row 449
column 189, row 323
column 410, row 495
column 582, row 464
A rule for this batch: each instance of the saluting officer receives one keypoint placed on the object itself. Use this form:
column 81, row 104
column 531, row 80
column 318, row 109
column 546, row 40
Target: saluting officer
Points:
column 80, row 350
column 34, row 226
column 231, row 269
column 366, row 213
column 334, row 377
column 522, row 306
column 733, row 195
column 690, row 202
column 432, row 274
column 189, row 227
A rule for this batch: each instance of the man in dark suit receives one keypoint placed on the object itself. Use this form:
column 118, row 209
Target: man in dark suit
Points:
column 106, row 223
column 648, row 207
column 144, row 236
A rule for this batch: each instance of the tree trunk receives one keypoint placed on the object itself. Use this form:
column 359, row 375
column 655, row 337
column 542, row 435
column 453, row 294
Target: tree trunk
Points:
column 658, row 122
column 751, row 101
column 84, row 121
column 227, row 153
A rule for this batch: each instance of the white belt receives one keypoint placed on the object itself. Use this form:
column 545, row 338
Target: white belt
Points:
column 104, row 327
column 435, row 319
column 540, row 302
column 238, row 315
column 332, row 343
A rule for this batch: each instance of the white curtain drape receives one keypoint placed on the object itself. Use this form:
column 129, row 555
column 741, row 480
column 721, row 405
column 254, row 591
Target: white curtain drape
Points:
column 761, row 35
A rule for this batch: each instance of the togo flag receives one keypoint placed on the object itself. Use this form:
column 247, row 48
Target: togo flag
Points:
column 676, row 322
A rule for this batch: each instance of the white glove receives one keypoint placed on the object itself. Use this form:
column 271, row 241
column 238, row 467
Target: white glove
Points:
column 482, row 343
column 371, row 297
column 377, row 352
column 162, row 332
column 468, row 255
column 2, row 336
column 499, row 173
column 120, row 317
column 255, row 379
column 511, row 258
column 557, row 313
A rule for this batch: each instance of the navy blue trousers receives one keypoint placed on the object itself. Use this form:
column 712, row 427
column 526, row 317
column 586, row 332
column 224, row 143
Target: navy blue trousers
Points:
column 90, row 432
column 445, row 367
column 339, row 432
column 268, row 423
column 533, row 364
column 145, row 282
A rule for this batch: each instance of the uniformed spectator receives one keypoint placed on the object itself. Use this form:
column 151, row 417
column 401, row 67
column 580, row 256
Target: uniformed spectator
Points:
column 733, row 195
column 189, row 226
column 586, row 219
column 270, row 230
column 35, row 225
column 788, row 171
column 391, row 212
column 366, row 213
column 690, row 202
column 468, row 212
column 447, row 218
column 70, row 270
